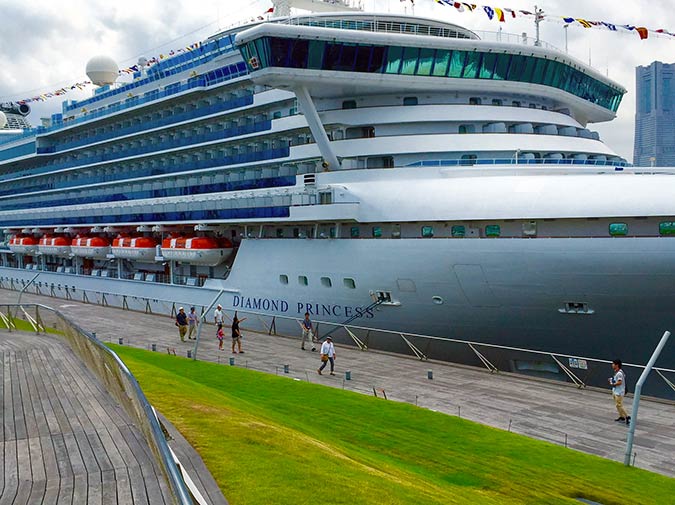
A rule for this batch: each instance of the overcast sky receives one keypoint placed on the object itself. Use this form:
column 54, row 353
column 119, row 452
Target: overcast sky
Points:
column 45, row 45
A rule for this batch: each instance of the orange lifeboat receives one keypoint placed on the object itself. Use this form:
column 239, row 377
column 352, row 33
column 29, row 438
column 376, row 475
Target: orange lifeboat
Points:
column 54, row 245
column 207, row 251
column 23, row 244
column 90, row 247
column 136, row 248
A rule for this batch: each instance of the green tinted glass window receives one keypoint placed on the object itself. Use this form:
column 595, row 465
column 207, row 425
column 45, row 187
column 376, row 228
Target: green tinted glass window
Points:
column 487, row 66
column 377, row 231
column 458, row 231
column 315, row 58
column 551, row 72
column 354, row 232
column 410, row 55
column 528, row 69
column 426, row 62
column 618, row 229
column 539, row 70
column 516, row 68
column 456, row 64
column 441, row 63
column 667, row 228
column 394, row 56
column 471, row 65
column 502, row 66
column 427, row 231
column 493, row 230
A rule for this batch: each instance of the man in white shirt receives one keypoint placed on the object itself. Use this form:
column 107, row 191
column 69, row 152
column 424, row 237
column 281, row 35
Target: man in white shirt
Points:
column 218, row 316
column 618, row 383
column 327, row 354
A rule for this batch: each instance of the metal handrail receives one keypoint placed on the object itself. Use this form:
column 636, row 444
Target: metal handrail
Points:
column 146, row 304
column 82, row 345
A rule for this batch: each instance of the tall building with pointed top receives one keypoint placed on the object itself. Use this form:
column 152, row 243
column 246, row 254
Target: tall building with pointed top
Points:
column 655, row 115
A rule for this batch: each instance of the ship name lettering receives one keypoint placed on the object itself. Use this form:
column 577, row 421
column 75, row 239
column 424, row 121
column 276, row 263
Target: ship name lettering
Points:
column 256, row 303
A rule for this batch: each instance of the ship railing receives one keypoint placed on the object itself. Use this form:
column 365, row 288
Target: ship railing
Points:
column 581, row 371
column 117, row 379
column 414, row 28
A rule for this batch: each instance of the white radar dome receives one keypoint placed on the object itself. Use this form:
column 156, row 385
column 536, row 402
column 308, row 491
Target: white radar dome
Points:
column 3, row 119
column 102, row 70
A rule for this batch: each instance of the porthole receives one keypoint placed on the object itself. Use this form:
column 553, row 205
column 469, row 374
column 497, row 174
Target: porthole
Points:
column 349, row 283
column 458, row 231
column 437, row 300
column 326, row 282
column 618, row 229
column 667, row 228
column 302, row 280
column 354, row 232
column 283, row 278
column 493, row 230
column 427, row 231
column 377, row 231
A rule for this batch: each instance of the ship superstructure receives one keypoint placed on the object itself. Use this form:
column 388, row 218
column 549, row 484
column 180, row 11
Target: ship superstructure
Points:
column 317, row 163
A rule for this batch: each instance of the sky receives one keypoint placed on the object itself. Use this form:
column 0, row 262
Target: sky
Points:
column 45, row 45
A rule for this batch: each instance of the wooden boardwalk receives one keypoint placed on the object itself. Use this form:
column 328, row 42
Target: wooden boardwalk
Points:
column 551, row 411
column 64, row 439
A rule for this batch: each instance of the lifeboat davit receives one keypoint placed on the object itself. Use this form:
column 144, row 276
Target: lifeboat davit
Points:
column 135, row 248
column 23, row 244
column 90, row 247
column 206, row 251
column 54, row 245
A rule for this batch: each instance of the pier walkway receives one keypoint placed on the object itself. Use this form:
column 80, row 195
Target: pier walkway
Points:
column 64, row 438
column 560, row 413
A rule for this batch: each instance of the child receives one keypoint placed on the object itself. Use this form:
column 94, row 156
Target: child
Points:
column 220, row 336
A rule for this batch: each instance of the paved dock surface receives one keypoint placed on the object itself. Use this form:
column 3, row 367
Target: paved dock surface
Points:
column 64, row 438
column 559, row 413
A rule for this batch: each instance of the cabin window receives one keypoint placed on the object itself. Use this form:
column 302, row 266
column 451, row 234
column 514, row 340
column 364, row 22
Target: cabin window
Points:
column 497, row 101
column 354, row 232
column 377, row 231
column 280, row 232
column 618, row 229
column 427, row 231
column 283, row 278
column 474, row 100
column 515, row 103
column 349, row 283
column 667, row 228
column 410, row 100
column 396, row 231
column 349, row 104
column 332, row 232
column 276, row 115
column 326, row 282
column 458, row 231
column 493, row 230
column 466, row 128
column 302, row 280
column 292, row 111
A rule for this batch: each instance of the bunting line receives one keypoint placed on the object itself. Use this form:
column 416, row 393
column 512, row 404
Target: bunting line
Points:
column 499, row 14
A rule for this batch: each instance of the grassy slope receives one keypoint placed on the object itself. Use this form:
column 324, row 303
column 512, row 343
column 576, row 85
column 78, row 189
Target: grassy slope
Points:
column 269, row 439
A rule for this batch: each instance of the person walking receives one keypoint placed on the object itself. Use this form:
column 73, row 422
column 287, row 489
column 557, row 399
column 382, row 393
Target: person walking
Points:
column 218, row 316
column 327, row 354
column 307, row 332
column 618, row 383
column 182, row 323
column 193, row 320
column 236, row 334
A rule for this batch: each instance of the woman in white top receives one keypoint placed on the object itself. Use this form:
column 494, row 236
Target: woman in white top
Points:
column 327, row 354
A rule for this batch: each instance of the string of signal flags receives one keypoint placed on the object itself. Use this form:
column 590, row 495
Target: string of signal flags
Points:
column 501, row 14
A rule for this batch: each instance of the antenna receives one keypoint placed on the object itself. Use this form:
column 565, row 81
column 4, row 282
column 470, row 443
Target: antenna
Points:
column 538, row 18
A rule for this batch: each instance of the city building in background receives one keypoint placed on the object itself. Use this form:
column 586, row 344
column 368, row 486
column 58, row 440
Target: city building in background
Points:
column 655, row 115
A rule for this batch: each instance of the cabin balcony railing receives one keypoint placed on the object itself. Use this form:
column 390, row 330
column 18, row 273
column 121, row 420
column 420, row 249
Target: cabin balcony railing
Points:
column 193, row 140
column 209, row 79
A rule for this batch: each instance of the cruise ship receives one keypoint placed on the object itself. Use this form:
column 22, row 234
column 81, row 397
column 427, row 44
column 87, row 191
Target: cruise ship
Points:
column 388, row 171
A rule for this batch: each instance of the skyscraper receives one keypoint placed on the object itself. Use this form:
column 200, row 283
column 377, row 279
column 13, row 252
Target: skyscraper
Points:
column 655, row 115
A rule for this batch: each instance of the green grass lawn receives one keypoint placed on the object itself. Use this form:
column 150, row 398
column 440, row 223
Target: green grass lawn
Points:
column 273, row 440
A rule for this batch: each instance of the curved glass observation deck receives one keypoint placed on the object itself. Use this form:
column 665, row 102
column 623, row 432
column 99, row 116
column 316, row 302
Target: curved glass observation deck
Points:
column 296, row 53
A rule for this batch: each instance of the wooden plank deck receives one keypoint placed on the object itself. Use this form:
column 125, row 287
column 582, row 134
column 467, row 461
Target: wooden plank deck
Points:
column 64, row 438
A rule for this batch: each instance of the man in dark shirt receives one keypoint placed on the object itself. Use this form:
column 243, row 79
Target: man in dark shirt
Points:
column 182, row 323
